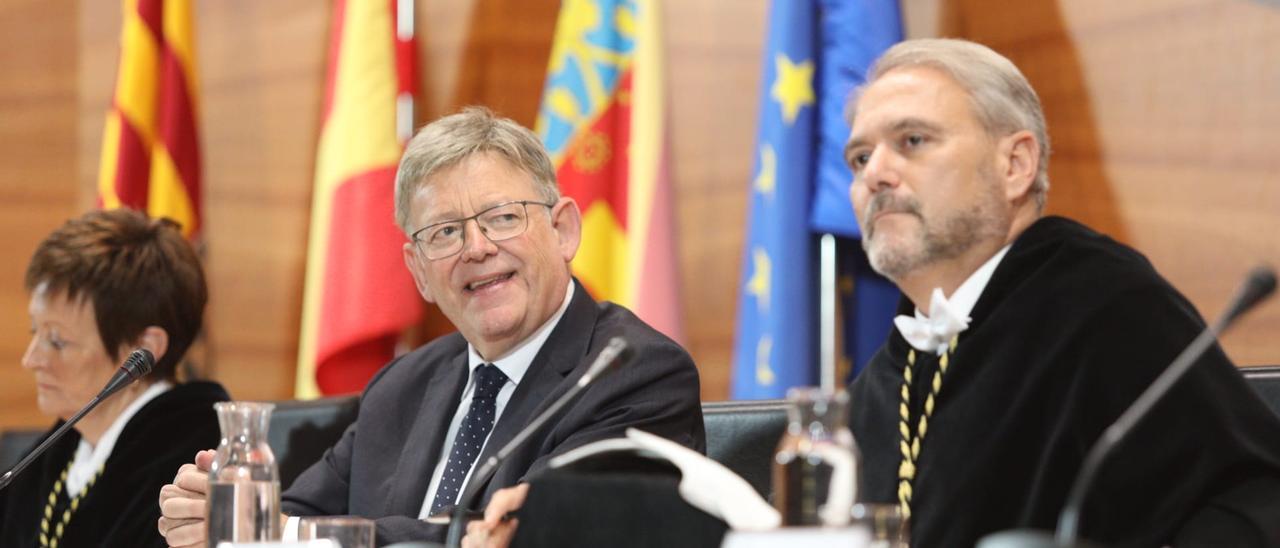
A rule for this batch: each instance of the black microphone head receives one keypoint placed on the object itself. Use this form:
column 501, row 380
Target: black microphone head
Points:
column 1264, row 277
column 1260, row 284
column 139, row 363
column 616, row 351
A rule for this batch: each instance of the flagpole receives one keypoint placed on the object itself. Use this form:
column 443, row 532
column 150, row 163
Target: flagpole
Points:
column 827, row 312
column 404, row 99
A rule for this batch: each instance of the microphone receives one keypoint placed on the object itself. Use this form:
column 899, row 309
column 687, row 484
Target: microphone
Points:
column 1259, row 284
column 616, row 351
column 139, row 363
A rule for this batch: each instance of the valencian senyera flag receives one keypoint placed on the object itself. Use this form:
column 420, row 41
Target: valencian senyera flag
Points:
column 150, row 150
column 603, row 120
column 358, row 296
column 816, row 53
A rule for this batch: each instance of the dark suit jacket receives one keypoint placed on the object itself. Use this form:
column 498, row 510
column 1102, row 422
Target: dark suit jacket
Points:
column 381, row 467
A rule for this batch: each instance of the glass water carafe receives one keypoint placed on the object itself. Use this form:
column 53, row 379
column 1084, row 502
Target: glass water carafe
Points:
column 815, row 471
column 244, row 481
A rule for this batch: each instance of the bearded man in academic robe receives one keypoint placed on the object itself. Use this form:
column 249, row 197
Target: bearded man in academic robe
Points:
column 1023, row 336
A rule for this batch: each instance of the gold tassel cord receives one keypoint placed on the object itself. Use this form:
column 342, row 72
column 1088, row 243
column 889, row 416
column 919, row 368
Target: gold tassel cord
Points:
column 910, row 445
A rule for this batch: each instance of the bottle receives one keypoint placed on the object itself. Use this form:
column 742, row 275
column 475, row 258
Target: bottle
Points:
column 244, row 481
column 816, row 467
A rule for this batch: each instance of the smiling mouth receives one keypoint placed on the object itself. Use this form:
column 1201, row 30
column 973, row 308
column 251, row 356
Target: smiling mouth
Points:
column 488, row 282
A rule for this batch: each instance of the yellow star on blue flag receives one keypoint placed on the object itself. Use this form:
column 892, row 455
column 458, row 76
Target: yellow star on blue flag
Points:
column 793, row 86
column 767, row 176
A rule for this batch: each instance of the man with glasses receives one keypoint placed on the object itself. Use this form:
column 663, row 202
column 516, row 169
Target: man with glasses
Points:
column 490, row 243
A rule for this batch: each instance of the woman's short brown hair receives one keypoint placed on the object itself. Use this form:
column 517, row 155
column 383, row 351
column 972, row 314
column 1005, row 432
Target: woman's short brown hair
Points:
column 137, row 272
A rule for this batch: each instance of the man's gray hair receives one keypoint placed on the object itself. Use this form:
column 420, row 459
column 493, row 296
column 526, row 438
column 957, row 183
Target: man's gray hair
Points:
column 1002, row 99
column 448, row 141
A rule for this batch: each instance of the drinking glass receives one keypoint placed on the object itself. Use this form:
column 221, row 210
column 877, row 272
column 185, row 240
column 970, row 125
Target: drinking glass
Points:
column 347, row 531
column 888, row 527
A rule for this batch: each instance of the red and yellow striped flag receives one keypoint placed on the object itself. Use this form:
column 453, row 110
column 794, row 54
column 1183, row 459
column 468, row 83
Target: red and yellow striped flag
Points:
column 358, row 296
column 603, row 119
column 150, row 152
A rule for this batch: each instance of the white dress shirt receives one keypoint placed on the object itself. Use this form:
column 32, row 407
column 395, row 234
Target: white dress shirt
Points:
column 514, row 366
column 950, row 317
column 90, row 458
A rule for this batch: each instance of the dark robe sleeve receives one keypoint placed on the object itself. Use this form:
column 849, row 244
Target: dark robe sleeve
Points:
column 1121, row 352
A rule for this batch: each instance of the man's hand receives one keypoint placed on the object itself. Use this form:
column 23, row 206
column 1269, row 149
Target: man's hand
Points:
column 182, row 504
column 496, row 530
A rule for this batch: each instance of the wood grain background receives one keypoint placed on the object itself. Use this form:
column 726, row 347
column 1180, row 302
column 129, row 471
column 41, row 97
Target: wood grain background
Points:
column 1161, row 114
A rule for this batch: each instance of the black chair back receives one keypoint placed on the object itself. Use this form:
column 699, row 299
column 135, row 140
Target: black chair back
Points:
column 743, row 436
column 14, row 444
column 301, row 431
column 1265, row 380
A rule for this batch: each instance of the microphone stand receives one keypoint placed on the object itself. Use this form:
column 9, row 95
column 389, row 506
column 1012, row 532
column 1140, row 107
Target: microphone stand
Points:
column 612, row 353
column 1260, row 283
column 139, row 363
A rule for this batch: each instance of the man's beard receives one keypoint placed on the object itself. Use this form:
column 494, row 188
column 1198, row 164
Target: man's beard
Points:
column 954, row 234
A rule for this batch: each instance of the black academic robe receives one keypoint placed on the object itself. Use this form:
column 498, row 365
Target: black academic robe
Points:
column 121, row 508
column 1070, row 329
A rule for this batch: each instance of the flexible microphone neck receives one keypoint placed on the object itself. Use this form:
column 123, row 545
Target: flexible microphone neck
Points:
column 1260, row 283
column 615, row 351
column 139, row 363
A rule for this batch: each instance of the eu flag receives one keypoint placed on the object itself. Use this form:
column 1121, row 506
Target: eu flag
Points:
column 776, row 341
column 816, row 52
column 853, row 34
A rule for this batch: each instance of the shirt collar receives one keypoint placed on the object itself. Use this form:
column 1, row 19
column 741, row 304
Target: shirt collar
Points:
column 949, row 317
column 966, row 296
column 89, row 459
column 517, row 361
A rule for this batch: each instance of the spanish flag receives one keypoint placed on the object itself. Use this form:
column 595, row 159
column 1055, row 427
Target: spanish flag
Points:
column 603, row 120
column 150, row 152
column 358, row 295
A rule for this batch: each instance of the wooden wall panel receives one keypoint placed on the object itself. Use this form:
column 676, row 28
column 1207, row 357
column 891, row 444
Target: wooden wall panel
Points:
column 714, row 53
column 1161, row 116
column 37, row 169
column 1159, row 112
column 260, row 72
column 262, row 76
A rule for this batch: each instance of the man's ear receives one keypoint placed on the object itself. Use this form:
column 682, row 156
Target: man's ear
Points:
column 155, row 339
column 417, row 266
column 1020, row 153
column 566, row 219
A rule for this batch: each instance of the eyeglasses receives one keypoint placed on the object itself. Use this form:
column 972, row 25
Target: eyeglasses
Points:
column 500, row 222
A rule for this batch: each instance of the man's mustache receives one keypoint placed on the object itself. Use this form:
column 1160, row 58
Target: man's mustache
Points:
column 887, row 203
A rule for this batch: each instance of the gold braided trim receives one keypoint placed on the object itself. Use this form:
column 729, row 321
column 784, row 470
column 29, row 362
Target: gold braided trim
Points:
column 909, row 445
column 49, row 538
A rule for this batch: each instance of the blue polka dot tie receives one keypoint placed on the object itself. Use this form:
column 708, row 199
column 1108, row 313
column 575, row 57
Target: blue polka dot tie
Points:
column 475, row 429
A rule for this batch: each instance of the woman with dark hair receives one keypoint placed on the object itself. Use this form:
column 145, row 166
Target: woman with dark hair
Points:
column 101, row 286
